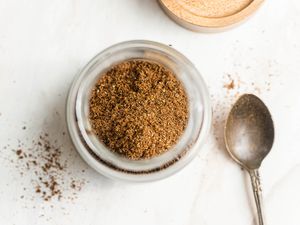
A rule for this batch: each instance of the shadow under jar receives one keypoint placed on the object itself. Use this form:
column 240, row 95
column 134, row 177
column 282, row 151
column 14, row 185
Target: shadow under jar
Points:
column 112, row 164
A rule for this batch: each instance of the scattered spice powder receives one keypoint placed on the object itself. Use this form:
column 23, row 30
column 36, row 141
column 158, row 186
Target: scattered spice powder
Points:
column 47, row 170
column 138, row 109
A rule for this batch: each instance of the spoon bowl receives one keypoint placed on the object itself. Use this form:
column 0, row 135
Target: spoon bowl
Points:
column 249, row 131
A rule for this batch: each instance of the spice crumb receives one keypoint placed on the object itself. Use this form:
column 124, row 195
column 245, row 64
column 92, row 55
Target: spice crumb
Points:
column 230, row 85
column 19, row 152
column 73, row 185
column 38, row 190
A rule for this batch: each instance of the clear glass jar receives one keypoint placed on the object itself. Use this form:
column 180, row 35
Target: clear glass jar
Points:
column 111, row 164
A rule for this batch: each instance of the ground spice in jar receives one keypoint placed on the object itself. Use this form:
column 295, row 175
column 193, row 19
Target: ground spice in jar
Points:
column 138, row 109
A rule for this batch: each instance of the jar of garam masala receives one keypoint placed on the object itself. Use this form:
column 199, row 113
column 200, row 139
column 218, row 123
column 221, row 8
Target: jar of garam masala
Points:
column 138, row 111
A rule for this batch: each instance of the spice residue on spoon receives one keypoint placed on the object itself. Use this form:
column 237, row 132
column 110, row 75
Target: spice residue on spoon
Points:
column 138, row 109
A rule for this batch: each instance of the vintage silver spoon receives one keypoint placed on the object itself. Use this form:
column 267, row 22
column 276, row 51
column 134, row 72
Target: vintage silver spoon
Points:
column 249, row 136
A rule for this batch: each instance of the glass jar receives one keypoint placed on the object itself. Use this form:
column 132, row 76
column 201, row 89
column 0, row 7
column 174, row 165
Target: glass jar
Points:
column 113, row 165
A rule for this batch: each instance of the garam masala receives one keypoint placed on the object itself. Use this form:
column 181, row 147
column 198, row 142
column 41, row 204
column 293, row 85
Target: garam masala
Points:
column 138, row 109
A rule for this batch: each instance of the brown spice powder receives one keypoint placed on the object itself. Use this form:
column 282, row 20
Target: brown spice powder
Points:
column 42, row 161
column 138, row 109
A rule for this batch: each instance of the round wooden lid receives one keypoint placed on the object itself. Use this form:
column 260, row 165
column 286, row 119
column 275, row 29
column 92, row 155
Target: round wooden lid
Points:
column 197, row 14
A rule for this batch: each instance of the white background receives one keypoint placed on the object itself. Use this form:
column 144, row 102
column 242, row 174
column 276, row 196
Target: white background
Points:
column 43, row 45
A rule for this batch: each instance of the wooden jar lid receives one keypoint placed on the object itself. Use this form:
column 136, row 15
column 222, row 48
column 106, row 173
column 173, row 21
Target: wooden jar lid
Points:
column 198, row 14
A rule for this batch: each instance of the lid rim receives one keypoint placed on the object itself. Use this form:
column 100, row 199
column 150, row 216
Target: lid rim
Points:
column 210, row 22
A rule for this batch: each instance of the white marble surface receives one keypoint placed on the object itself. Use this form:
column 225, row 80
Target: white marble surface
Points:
column 43, row 44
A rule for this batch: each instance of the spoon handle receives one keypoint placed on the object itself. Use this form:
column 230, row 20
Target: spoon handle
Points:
column 256, row 187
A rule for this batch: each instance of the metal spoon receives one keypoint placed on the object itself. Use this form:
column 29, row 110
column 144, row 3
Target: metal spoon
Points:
column 249, row 136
